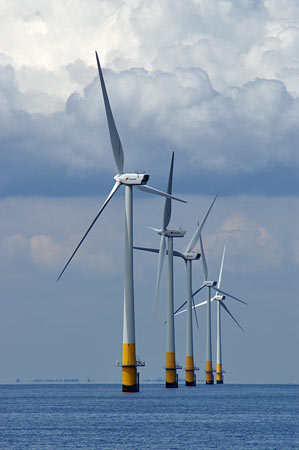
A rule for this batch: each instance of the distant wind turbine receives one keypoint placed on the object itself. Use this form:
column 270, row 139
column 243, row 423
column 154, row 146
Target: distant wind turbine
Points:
column 220, row 304
column 130, row 378
column 212, row 285
column 171, row 366
column 188, row 256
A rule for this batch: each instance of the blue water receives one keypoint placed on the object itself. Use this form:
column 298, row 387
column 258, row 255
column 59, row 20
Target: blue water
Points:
column 100, row 417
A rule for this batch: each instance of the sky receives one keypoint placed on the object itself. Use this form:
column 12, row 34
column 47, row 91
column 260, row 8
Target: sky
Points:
column 215, row 82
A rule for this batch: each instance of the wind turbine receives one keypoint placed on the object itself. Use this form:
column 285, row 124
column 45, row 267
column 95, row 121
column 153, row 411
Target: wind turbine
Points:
column 188, row 256
column 130, row 377
column 220, row 304
column 212, row 285
column 170, row 367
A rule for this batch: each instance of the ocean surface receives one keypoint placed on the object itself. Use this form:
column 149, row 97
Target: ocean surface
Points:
column 100, row 417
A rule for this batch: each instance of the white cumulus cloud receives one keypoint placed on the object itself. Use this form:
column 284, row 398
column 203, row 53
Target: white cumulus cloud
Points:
column 215, row 80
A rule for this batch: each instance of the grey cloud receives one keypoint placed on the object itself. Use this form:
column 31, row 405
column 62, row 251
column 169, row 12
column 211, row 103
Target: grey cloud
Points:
column 251, row 131
column 81, row 73
column 216, row 82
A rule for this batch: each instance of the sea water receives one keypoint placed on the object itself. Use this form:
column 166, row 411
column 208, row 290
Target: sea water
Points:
column 100, row 417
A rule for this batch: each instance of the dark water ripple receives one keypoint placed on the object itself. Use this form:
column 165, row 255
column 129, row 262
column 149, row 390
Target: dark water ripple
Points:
column 100, row 417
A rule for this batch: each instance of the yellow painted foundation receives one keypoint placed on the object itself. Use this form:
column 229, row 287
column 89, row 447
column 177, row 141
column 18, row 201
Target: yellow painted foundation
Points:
column 129, row 372
column 189, row 370
column 170, row 368
column 209, row 373
column 219, row 377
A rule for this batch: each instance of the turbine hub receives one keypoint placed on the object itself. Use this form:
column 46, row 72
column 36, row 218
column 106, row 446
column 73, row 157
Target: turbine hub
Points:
column 132, row 178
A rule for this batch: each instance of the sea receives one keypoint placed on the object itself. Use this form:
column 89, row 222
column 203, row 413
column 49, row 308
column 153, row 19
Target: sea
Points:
column 101, row 417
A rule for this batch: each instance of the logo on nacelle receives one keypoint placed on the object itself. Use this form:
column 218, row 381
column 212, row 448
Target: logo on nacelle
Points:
column 132, row 178
column 210, row 283
column 192, row 256
column 175, row 233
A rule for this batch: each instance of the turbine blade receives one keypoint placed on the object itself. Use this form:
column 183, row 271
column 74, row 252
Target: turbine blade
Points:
column 194, row 238
column 114, row 137
column 193, row 307
column 204, row 302
column 203, row 258
column 230, row 314
column 155, row 229
column 195, row 313
column 177, row 311
column 198, row 290
column 114, row 189
column 159, row 269
column 221, row 269
column 180, row 312
column 178, row 254
column 146, row 188
column 228, row 295
column 167, row 207
column 147, row 249
column 201, row 303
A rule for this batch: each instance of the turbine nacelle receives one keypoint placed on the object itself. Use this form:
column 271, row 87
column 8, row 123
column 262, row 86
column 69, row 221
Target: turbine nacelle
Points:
column 192, row 256
column 220, row 297
column 174, row 233
column 132, row 178
column 169, row 233
column 209, row 283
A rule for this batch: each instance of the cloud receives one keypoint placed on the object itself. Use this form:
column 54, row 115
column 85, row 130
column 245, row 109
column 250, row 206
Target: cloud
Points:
column 14, row 245
column 251, row 246
column 43, row 253
column 41, row 234
column 218, row 85
column 44, row 250
column 38, row 239
column 250, row 130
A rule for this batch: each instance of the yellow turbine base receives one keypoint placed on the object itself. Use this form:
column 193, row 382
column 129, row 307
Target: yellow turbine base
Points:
column 170, row 368
column 209, row 373
column 190, row 379
column 219, row 376
column 129, row 372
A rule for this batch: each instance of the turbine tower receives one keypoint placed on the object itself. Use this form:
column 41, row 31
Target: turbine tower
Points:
column 171, row 366
column 130, row 377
